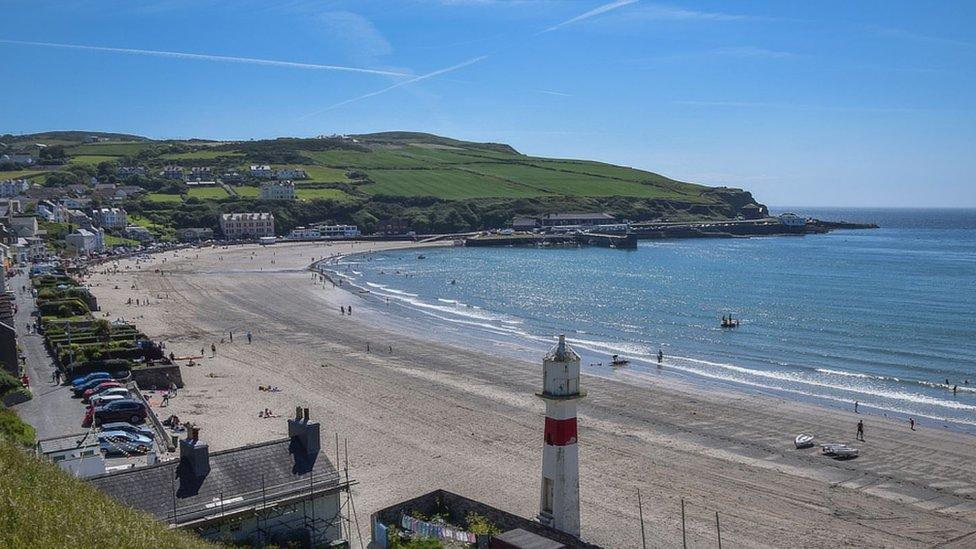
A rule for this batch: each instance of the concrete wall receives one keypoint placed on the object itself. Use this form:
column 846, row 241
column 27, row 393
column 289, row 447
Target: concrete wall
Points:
column 158, row 377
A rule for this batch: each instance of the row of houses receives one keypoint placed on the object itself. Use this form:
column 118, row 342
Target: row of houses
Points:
column 267, row 172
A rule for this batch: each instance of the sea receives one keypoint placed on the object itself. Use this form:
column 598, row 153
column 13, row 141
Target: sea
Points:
column 883, row 317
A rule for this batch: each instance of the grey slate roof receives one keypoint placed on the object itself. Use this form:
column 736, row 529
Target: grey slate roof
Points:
column 281, row 466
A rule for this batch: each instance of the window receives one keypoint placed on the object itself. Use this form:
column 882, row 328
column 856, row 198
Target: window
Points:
column 546, row 495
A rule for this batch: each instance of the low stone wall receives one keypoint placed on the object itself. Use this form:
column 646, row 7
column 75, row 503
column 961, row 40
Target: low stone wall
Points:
column 160, row 376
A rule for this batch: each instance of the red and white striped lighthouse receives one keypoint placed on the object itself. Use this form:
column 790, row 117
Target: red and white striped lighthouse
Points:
column 559, row 499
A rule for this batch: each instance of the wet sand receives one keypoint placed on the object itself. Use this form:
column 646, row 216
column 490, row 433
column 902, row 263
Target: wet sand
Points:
column 431, row 415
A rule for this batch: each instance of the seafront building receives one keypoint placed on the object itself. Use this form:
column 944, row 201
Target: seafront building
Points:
column 86, row 241
column 239, row 226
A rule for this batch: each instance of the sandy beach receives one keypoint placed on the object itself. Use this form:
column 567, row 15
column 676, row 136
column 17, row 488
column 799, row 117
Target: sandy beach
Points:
column 430, row 415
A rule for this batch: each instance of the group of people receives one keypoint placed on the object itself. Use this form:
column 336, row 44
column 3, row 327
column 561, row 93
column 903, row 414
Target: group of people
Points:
column 345, row 310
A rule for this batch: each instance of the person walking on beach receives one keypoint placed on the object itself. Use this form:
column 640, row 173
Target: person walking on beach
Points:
column 342, row 310
column 860, row 431
column 911, row 423
column 350, row 310
column 660, row 356
column 249, row 338
column 231, row 336
column 855, row 406
column 213, row 349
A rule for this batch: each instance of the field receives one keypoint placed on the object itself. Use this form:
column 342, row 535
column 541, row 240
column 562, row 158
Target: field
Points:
column 92, row 159
column 549, row 181
column 213, row 193
column 311, row 194
column 112, row 148
column 112, row 241
column 21, row 174
column 248, row 192
column 201, row 155
column 447, row 184
column 160, row 197
column 321, row 174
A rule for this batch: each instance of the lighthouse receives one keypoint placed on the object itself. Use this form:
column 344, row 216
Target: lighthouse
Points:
column 559, row 499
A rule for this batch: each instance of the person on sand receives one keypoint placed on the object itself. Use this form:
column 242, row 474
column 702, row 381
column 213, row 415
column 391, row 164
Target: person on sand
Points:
column 660, row 356
column 856, row 403
column 249, row 338
column 350, row 310
column 213, row 349
column 911, row 423
column 231, row 336
column 342, row 310
column 860, row 431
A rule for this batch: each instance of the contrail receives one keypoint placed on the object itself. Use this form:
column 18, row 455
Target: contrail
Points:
column 592, row 13
column 439, row 72
column 205, row 57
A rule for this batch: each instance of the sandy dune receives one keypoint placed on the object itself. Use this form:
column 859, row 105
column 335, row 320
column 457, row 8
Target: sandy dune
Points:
column 431, row 416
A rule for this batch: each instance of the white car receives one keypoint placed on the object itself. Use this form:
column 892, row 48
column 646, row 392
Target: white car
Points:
column 115, row 393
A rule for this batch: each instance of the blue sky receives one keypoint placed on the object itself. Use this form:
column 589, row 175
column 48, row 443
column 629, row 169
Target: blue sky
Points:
column 803, row 103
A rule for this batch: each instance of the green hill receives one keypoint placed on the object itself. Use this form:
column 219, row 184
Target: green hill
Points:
column 435, row 183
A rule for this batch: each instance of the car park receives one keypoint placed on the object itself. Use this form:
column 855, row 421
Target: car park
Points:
column 120, row 391
column 80, row 389
column 129, row 410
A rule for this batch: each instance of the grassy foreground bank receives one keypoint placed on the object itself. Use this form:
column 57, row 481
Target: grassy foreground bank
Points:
column 42, row 506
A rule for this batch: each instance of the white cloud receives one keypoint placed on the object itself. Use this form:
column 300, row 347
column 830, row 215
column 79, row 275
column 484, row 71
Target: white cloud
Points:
column 657, row 12
column 356, row 34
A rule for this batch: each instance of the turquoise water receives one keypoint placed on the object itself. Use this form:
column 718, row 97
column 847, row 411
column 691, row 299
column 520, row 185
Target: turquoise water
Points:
column 883, row 317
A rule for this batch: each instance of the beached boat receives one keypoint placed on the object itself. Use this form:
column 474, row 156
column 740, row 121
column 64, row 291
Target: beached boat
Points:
column 616, row 360
column 803, row 441
column 839, row 451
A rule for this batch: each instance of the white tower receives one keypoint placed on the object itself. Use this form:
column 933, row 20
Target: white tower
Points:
column 559, row 500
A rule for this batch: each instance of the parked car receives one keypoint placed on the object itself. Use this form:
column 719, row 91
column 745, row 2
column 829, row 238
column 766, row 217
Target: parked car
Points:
column 120, row 391
column 79, row 381
column 80, row 389
column 129, row 428
column 100, row 400
column 99, row 388
column 129, row 410
column 123, row 442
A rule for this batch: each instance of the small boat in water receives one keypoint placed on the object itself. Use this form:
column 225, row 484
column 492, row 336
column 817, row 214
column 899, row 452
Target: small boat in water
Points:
column 616, row 360
column 803, row 441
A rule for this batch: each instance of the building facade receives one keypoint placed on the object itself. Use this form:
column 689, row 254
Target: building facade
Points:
column 291, row 173
column 261, row 172
column 12, row 187
column 247, row 225
column 279, row 190
column 111, row 218
column 85, row 241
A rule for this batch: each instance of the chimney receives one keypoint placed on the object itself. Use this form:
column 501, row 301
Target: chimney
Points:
column 304, row 432
column 194, row 455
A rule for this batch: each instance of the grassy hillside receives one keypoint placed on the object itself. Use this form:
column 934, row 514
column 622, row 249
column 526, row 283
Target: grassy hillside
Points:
column 436, row 183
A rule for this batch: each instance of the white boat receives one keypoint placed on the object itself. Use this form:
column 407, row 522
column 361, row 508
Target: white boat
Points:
column 846, row 453
column 839, row 451
column 803, row 441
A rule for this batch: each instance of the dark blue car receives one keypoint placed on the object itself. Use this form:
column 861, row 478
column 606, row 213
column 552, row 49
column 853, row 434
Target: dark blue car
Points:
column 85, row 379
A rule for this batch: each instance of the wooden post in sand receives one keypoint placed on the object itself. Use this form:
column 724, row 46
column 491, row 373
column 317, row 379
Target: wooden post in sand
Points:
column 684, row 539
column 640, row 511
column 718, row 529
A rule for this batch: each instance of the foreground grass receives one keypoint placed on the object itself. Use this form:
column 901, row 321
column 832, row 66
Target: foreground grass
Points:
column 41, row 506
